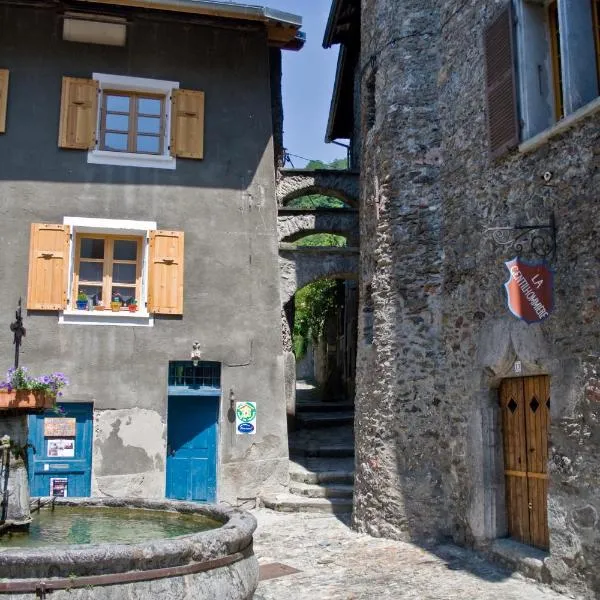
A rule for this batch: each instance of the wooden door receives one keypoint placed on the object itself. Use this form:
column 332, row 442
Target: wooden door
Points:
column 525, row 406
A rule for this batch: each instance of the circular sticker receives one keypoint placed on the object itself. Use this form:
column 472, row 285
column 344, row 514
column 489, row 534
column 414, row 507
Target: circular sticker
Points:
column 246, row 412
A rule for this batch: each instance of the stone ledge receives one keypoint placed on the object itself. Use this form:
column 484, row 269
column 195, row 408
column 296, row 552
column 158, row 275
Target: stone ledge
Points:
column 527, row 560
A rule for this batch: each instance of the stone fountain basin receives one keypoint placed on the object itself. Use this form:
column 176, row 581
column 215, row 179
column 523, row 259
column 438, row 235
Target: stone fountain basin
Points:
column 214, row 565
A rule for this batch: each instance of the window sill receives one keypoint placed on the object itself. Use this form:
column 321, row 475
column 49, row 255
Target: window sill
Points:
column 129, row 159
column 106, row 317
column 563, row 125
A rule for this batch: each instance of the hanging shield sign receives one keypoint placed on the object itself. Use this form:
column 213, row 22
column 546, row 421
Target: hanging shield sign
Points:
column 530, row 290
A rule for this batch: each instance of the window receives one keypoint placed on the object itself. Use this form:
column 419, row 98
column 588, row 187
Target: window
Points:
column 107, row 268
column 97, row 261
column 131, row 122
column 542, row 65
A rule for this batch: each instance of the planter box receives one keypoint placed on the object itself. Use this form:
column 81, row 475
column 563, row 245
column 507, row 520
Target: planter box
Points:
column 24, row 400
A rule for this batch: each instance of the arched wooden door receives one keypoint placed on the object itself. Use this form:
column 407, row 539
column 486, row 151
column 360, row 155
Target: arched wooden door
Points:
column 525, row 406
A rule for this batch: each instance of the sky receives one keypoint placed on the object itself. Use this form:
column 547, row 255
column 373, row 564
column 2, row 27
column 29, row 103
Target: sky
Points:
column 308, row 77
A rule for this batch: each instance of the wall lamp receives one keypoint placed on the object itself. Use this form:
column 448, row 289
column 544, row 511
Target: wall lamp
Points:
column 94, row 29
column 196, row 353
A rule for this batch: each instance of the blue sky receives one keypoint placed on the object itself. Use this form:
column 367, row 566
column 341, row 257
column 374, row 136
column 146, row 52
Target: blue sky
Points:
column 307, row 84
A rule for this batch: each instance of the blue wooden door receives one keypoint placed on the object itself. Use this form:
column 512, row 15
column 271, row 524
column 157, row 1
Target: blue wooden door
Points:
column 59, row 463
column 192, row 448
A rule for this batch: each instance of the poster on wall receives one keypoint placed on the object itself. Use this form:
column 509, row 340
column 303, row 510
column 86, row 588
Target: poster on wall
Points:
column 59, row 487
column 60, row 427
column 530, row 290
column 245, row 418
column 61, row 448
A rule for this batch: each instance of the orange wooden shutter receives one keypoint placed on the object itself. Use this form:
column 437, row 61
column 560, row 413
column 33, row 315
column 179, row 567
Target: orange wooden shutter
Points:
column 78, row 113
column 187, row 124
column 502, row 115
column 3, row 98
column 48, row 267
column 165, row 286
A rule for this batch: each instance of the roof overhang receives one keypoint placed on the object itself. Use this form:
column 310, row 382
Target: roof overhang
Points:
column 343, row 22
column 283, row 28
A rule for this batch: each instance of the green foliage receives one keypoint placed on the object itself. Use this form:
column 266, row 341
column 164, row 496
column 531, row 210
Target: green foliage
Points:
column 316, row 201
column 338, row 163
column 314, row 303
column 322, row 239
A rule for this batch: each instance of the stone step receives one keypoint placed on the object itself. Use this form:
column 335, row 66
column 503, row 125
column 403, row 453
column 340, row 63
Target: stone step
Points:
column 313, row 420
column 324, row 451
column 292, row 503
column 324, row 407
column 326, row 490
column 322, row 470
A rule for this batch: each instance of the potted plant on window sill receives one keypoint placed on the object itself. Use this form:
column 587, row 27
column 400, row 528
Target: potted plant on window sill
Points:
column 82, row 301
column 115, row 304
column 99, row 306
column 132, row 306
column 21, row 391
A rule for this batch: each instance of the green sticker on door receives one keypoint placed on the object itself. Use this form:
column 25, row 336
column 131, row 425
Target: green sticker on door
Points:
column 245, row 418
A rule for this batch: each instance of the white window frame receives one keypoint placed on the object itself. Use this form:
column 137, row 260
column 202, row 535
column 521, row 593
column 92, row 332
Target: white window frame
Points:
column 135, row 159
column 81, row 226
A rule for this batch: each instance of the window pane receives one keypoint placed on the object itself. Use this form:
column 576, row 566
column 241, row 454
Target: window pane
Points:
column 92, row 248
column 149, row 144
column 115, row 141
column 149, row 124
column 125, row 250
column 124, row 273
column 93, row 292
column 90, row 271
column 125, row 294
column 149, row 106
column 118, row 122
column 117, row 103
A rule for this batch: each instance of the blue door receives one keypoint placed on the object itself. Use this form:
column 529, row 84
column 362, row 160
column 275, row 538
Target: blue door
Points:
column 192, row 448
column 60, row 452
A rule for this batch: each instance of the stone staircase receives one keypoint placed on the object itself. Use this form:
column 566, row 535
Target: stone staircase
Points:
column 321, row 460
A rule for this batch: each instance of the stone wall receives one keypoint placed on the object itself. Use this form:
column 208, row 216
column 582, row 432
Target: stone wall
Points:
column 429, row 450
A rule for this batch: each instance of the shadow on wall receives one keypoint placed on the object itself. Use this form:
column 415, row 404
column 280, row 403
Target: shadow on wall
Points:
column 226, row 65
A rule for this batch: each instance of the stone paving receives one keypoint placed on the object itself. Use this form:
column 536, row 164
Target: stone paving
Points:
column 339, row 564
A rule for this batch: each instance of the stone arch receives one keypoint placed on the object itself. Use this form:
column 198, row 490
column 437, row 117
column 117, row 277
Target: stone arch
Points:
column 295, row 183
column 294, row 224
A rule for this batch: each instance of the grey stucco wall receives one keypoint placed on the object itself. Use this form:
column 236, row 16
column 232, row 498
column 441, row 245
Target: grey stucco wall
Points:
column 226, row 206
column 428, row 440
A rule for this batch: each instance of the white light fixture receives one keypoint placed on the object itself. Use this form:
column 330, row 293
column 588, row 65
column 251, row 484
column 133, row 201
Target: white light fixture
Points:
column 94, row 29
column 196, row 354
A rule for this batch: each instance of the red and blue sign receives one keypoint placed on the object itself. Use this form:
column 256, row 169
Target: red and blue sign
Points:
column 530, row 290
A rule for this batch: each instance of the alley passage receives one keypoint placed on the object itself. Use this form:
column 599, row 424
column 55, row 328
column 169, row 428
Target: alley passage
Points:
column 338, row 564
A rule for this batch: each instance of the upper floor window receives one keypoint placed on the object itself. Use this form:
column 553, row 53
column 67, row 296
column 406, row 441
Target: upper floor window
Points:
column 132, row 122
column 542, row 65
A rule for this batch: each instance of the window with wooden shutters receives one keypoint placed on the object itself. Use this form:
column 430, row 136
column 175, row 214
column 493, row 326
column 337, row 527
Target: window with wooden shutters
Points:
column 78, row 113
column 502, row 116
column 187, row 124
column 48, row 267
column 3, row 98
column 165, row 273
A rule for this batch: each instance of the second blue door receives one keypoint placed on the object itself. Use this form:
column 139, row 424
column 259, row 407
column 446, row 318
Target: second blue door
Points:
column 192, row 448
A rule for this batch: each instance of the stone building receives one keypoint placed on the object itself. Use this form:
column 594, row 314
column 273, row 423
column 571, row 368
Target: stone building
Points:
column 471, row 424
column 124, row 129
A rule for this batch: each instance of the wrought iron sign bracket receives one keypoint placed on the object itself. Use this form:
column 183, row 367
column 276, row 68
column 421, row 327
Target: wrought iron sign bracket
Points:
column 539, row 240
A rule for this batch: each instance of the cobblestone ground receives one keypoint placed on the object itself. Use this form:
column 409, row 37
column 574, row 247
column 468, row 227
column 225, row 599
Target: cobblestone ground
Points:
column 339, row 564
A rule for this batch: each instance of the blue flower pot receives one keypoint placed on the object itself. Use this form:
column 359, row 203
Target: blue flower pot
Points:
column 81, row 304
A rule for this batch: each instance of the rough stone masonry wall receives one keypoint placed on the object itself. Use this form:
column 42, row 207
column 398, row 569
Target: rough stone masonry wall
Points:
column 428, row 440
column 402, row 453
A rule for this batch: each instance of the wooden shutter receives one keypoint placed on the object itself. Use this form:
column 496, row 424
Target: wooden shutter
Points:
column 165, row 286
column 502, row 113
column 3, row 98
column 48, row 267
column 78, row 113
column 187, row 124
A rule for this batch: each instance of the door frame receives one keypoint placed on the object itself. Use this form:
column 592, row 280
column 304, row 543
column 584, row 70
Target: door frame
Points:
column 209, row 386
